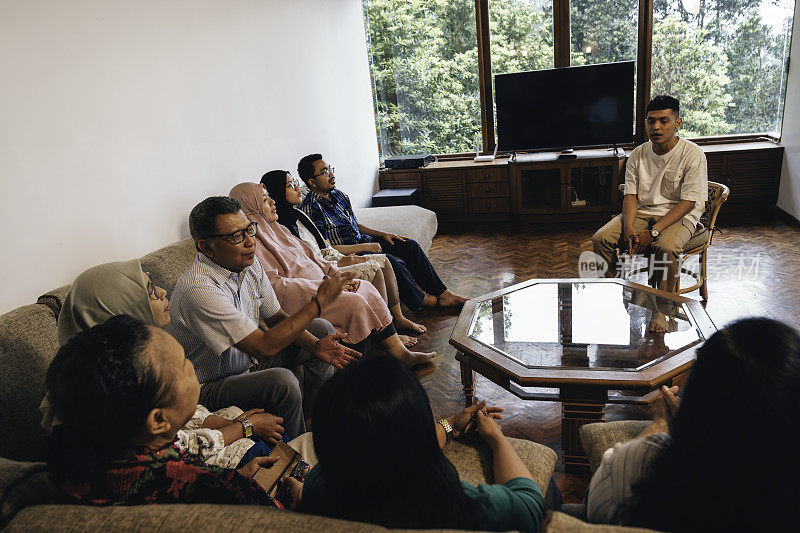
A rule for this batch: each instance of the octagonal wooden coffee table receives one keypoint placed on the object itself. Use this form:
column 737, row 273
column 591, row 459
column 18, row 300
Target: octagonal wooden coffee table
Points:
column 587, row 338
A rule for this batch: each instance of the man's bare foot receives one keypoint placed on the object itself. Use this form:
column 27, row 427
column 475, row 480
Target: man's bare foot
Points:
column 448, row 299
column 407, row 341
column 402, row 322
column 660, row 324
column 429, row 300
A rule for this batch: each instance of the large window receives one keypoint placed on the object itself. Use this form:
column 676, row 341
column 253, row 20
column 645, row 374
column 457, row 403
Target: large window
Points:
column 430, row 61
column 602, row 31
column 521, row 35
column 725, row 60
column 424, row 66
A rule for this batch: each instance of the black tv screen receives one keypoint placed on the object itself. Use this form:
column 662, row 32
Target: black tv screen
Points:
column 565, row 107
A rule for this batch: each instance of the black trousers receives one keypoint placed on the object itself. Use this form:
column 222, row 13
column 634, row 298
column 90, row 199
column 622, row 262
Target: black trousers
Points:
column 413, row 271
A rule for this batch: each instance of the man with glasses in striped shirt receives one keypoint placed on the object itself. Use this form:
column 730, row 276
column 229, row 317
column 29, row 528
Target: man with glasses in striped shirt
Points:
column 216, row 309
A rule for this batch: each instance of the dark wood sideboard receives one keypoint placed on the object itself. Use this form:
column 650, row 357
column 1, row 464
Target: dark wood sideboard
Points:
column 543, row 187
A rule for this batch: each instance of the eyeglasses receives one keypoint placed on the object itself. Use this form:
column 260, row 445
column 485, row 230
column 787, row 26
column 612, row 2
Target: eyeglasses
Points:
column 293, row 183
column 151, row 288
column 326, row 170
column 238, row 236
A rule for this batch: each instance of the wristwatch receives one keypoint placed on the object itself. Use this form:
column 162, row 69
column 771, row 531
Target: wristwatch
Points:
column 247, row 426
column 654, row 232
column 448, row 429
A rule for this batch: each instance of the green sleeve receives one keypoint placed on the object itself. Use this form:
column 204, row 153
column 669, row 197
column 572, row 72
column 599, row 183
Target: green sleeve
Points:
column 517, row 504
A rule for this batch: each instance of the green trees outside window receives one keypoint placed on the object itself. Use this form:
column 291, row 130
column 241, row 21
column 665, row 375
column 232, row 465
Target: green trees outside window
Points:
column 725, row 59
column 726, row 63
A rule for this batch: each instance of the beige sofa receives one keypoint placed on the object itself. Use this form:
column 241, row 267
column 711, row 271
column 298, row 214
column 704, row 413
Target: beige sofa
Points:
column 28, row 501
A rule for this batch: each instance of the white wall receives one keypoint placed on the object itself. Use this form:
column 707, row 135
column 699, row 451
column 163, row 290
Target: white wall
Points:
column 789, row 195
column 117, row 117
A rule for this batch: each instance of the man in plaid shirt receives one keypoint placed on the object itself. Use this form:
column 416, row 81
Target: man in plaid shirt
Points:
column 332, row 213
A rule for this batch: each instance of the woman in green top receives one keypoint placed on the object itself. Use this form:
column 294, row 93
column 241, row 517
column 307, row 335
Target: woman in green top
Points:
column 381, row 461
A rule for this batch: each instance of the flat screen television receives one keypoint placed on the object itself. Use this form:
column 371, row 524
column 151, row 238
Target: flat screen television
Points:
column 565, row 107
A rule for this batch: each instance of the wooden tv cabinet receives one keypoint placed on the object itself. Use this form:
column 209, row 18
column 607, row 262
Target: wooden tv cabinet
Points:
column 545, row 188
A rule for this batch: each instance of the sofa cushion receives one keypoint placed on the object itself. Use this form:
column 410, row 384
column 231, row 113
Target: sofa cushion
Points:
column 28, row 343
column 473, row 460
column 600, row 436
column 560, row 522
column 54, row 299
column 698, row 238
column 167, row 264
column 410, row 220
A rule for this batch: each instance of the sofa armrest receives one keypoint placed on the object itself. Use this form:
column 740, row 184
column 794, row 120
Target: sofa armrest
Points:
column 600, row 436
column 412, row 221
column 54, row 299
column 472, row 458
column 23, row 484
column 557, row 522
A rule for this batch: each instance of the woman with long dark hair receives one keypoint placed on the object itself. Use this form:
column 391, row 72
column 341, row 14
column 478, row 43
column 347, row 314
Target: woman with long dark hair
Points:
column 722, row 458
column 391, row 470
column 375, row 268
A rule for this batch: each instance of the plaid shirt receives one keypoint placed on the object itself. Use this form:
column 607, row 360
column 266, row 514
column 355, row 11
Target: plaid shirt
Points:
column 334, row 217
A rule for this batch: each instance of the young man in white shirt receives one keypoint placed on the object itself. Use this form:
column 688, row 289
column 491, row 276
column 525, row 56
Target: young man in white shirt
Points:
column 666, row 188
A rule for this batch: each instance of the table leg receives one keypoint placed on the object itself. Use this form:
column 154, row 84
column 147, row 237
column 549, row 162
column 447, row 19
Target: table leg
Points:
column 579, row 406
column 467, row 379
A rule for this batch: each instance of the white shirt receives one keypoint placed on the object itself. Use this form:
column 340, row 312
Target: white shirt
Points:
column 661, row 181
column 212, row 309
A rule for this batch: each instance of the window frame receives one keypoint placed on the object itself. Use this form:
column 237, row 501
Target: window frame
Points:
column 561, row 53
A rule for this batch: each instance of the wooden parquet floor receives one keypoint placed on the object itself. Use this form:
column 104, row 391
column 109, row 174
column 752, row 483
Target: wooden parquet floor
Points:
column 754, row 271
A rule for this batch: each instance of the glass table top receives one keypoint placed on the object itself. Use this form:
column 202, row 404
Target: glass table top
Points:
column 583, row 325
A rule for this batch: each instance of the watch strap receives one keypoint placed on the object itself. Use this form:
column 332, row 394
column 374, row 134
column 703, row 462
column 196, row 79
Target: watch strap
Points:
column 247, row 427
column 448, row 429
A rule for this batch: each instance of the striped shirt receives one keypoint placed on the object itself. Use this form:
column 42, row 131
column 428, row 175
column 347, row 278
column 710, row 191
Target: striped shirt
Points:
column 611, row 488
column 334, row 217
column 212, row 309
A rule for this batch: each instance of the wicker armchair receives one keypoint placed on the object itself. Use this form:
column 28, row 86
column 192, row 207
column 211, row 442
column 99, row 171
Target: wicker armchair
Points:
column 700, row 240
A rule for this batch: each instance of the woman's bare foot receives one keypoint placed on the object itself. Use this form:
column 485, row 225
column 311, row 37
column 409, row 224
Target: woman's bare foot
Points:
column 448, row 299
column 416, row 358
column 407, row 341
column 395, row 347
column 401, row 322
column 429, row 300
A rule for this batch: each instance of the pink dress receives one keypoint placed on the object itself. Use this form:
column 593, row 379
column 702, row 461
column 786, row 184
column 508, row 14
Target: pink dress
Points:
column 295, row 274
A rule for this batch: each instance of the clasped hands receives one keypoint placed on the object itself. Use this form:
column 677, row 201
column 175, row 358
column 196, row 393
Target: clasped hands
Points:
column 637, row 242
column 666, row 409
column 478, row 417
